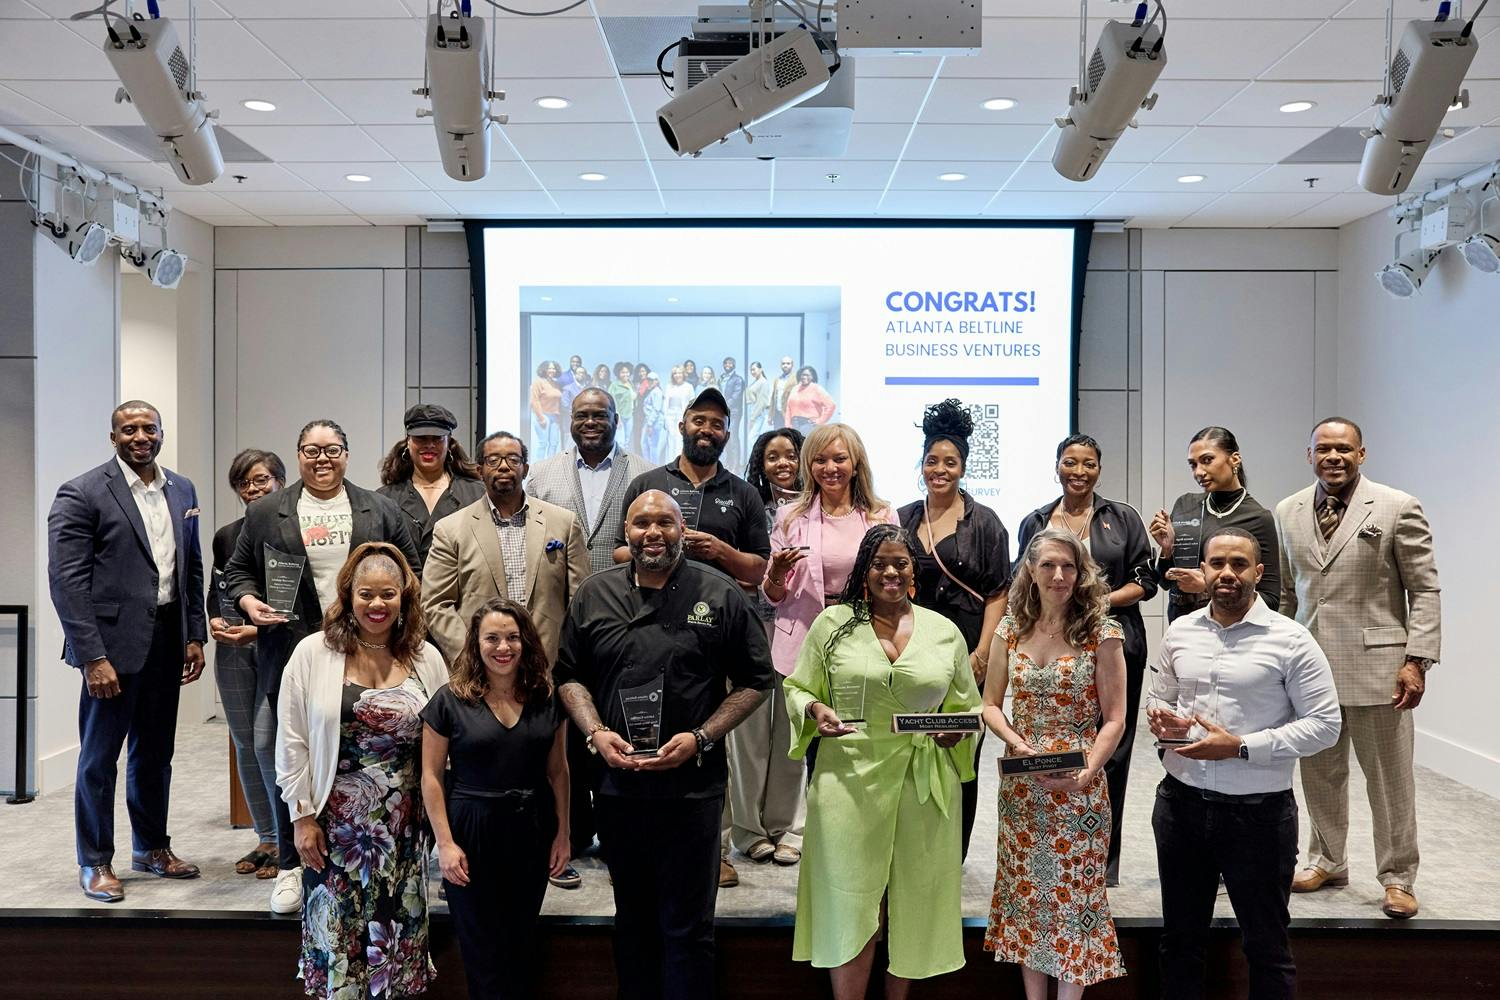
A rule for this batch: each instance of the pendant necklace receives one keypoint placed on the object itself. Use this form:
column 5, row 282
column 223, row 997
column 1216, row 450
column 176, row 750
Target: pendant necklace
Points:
column 369, row 645
column 1208, row 501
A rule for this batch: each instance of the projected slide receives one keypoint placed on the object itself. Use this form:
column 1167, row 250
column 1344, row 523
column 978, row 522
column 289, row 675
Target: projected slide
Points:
column 860, row 325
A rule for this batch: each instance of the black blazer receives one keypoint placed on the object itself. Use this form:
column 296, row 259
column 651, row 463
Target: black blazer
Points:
column 102, row 575
column 460, row 493
column 223, row 548
column 1117, row 541
column 272, row 520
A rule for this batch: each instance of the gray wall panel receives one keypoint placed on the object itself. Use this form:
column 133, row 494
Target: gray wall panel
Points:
column 447, row 328
column 16, row 235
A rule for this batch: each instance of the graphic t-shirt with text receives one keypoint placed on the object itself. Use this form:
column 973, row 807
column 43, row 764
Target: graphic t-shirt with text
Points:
column 326, row 528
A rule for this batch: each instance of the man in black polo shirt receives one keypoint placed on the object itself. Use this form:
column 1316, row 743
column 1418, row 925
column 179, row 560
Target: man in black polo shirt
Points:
column 724, row 515
column 647, row 654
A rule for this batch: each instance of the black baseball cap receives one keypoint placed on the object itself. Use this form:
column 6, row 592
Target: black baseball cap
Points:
column 429, row 419
column 710, row 397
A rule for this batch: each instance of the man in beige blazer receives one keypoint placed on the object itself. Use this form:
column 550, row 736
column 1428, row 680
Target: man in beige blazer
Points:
column 504, row 545
column 1357, row 570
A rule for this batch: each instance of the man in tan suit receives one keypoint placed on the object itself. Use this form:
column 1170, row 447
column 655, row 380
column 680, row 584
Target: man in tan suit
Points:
column 1357, row 570
column 781, row 388
column 504, row 545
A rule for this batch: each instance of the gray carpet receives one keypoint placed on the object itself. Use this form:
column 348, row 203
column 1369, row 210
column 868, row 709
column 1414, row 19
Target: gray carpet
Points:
column 1458, row 878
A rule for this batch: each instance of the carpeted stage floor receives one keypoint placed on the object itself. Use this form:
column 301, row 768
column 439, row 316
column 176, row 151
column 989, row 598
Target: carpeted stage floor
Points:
column 1458, row 879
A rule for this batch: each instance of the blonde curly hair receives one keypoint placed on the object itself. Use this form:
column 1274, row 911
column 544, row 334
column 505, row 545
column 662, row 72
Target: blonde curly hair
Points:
column 1089, row 605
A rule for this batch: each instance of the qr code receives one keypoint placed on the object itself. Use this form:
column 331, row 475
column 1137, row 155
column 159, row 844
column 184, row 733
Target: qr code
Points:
column 984, row 444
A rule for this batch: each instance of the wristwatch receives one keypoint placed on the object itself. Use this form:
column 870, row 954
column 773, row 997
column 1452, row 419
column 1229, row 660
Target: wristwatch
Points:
column 1244, row 752
column 704, row 743
column 1422, row 663
column 588, row 738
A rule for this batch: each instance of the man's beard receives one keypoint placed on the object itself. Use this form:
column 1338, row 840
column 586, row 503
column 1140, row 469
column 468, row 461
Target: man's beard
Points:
column 656, row 564
column 698, row 454
column 1243, row 596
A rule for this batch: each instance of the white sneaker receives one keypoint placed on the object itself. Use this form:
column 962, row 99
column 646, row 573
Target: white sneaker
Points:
column 286, row 894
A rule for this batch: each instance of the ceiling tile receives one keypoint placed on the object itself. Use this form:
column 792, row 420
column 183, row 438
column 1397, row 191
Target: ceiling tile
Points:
column 590, row 101
column 1047, row 205
column 708, row 204
column 318, row 220
column 19, row 9
column 255, row 10
column 975, row 142
column 620, row 175
column 841, row 203
column 1237, row 145
column 1220, row 49
column 552, row 48
column 85, row 144
column 944, row 203
column 394, row 220
column 875, row 67
column 312, row 143
column 1253, row 211
column 875, row 142
column 384, row 176
column 1337, row 50
column 1137, row 145
column 1340, row 210
column 226, row 51
column 47, row 50
column 200, row 202
column 812, row 175
column 257, row 177
column 500, row 203
column 1332, row 178
column 393, row 202
column 922, row 175
column 373, row 102
column 562, row 142
column 230, row 221
column 265, row 203
column 1044, row 48
column 726, row 175
column 1264, row 9
column 1218, row 178
column 1473, row 146
column 609, row 202
column 1261, row 102
column 1161, row 208
column 503, row 175
column 17, row 110
column 330, row 49
column 296, row 102
column 883, row 100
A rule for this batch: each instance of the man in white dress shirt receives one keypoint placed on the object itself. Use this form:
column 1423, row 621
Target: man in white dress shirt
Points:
column 1253, row 692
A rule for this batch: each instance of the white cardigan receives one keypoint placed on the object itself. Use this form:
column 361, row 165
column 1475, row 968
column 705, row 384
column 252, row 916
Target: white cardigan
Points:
column 307, row 714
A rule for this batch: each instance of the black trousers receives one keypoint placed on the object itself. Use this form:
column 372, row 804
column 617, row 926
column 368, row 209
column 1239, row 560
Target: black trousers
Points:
column 143, row 719
column 1252, row 844
column 663, row 855
column 1117, row 768
column 506, row 841
column 583, row 772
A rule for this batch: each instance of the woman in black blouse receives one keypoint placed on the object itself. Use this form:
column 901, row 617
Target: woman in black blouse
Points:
column 1115, row 538
column 500, row 816
column 963, row 552
column 427, row 473
column 1214, row 460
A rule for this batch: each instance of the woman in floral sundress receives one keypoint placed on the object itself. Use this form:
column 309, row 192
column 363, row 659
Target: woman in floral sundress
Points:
column 1064, row 661
column 348, row 762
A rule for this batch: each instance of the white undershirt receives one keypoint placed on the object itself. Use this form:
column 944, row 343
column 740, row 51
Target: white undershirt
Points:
column 152, row 503
column 326, row 528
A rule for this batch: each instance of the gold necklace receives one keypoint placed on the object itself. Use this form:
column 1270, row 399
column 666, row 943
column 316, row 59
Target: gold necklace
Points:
column 1068, row 523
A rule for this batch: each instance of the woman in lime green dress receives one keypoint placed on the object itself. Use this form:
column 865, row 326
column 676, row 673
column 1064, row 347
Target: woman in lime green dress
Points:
column 883, row 811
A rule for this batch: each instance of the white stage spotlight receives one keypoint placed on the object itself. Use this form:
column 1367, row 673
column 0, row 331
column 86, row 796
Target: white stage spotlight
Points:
column 1404, row 277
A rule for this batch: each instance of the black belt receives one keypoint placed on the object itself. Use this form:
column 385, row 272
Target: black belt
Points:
column 1208, row 795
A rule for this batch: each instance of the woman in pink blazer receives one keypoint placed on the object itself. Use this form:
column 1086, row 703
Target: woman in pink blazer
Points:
column 816, row 538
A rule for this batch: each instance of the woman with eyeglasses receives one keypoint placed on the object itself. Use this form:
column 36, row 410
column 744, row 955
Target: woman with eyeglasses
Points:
column 1113, row 535
column 252, row 723
column 304, row 534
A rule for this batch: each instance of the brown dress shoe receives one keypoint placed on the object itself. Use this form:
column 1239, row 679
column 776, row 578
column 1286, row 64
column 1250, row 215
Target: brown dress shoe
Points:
column 728, row 877
column 163, row 863
column 1313, row 878
column 99, row 882
column 1399, row 903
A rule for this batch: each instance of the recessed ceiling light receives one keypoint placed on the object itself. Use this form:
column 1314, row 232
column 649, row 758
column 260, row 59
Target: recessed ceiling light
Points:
column 592, row 176
column 952, row 175
column 672, row 298
column 1190, row 179
column 358, row 178
column 998, row 104
column 546, row 298
column 553, row 103
column 1294, row 107
column 904, row 52
column 256, row 105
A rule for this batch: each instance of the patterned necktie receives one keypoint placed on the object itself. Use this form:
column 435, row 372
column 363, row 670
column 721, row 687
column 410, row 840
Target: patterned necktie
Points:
column 1329, row 517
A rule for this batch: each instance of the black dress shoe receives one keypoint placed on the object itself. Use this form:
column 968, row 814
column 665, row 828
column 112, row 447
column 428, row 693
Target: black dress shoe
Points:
column 163, row 864
column 99, row 882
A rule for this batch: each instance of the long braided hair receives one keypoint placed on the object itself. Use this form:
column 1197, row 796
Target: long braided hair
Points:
column 855, row 594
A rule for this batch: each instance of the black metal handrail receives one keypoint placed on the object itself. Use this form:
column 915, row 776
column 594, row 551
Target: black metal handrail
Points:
column 23, row 696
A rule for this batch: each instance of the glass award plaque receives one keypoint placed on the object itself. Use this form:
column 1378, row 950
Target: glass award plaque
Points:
column 691, row 503
column 846, row 688
column 642, row 706
column 227, row 609
column 1186, row 701
column 1187, row 541
column 283, row 580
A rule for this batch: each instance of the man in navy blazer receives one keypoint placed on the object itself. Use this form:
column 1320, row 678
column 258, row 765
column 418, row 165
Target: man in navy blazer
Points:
column 126, row 574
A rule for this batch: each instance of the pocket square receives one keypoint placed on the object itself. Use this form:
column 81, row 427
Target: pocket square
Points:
column 553, row 544
column 191, row 512
column 1370, row 531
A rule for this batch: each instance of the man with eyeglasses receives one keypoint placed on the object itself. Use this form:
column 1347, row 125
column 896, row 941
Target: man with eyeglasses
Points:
column 320, row 518
column 126, row 573
column 506, row 544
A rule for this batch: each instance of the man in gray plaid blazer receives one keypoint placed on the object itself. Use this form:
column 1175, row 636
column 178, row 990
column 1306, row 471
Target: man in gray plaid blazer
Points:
column 1357, row 570
column 590, row 478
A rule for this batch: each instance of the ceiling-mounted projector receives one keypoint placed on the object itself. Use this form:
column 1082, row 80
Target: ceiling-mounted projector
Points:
column 458, row 69
column 1116, row 84
column 1426, row 75
column 157, row 79
column 783, row 72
